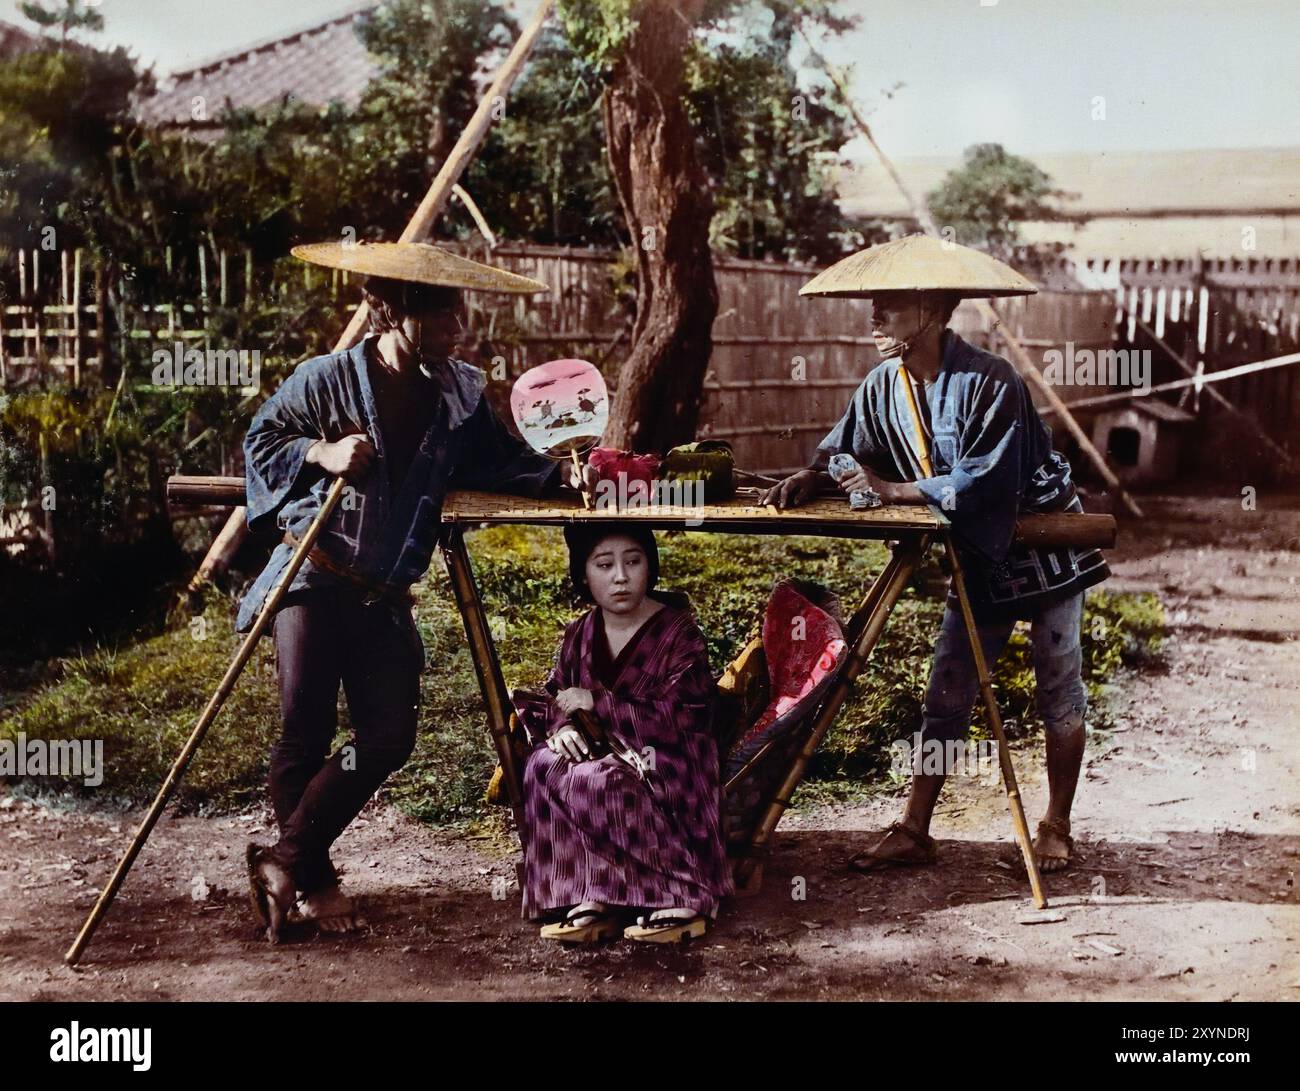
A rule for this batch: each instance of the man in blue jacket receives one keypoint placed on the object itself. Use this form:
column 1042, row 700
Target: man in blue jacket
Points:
column 991, row 458
column 403, row 421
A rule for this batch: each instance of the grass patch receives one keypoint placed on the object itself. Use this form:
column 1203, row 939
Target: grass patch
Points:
column 142, row 698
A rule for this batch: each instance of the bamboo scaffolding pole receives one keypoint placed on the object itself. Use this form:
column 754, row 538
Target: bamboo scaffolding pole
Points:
column 1206, row 380
column 433, row 204
column 1019, row 356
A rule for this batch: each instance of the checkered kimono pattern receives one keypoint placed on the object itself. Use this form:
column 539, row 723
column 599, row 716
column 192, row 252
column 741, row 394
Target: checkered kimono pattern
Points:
column 595, row 831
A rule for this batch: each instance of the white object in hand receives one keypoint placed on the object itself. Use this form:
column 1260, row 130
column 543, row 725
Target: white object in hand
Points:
column 842, row 466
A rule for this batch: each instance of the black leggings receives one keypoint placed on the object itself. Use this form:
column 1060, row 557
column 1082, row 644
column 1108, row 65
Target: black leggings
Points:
column 325, row 636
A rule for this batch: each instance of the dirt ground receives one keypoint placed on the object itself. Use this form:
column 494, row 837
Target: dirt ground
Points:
column 1187, row 823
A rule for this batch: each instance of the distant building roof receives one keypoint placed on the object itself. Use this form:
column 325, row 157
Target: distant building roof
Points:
column 316, row 64
column 1221, row 203
column 1120, row 184
column 1235, row 235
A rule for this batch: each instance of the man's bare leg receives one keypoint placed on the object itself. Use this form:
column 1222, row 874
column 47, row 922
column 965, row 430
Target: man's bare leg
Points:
column 1064, row 760
column 331, row 910
column 921, row 801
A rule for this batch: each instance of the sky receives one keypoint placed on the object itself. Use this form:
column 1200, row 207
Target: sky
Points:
column 1029, row 74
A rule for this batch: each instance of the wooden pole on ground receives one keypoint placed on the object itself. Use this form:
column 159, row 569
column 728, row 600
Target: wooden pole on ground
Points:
column 432, row 205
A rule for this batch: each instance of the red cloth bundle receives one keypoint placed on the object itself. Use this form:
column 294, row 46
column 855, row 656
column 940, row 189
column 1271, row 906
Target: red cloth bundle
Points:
column 610, row 462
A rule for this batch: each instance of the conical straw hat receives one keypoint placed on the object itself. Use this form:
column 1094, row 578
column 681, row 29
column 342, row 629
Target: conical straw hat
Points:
column 416, row 261
column 918, row 263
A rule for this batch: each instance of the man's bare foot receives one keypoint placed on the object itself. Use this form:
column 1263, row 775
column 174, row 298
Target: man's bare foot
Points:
column 900, row 844
column 331, row 910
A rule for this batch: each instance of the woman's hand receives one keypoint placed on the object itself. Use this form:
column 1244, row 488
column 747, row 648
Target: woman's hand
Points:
column 568, row 744
column 575, row 697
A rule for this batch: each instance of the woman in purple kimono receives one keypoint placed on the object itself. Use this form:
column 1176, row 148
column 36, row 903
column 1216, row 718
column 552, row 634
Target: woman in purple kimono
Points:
column 636, row 831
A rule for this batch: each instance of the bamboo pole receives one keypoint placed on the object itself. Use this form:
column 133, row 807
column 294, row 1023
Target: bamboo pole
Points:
column 77, row 346
column 1009, row 782
column 486, row 664
column 64, row 296
column 103, row 356
column 1204, row 380
column 205, row 720
column 424, row 217
column 479, row 221
column 38, row 316
column 466, row 146
column 1020, row 357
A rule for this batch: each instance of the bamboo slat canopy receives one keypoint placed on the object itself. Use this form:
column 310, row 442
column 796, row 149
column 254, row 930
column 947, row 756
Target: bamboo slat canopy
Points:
column 736, row 516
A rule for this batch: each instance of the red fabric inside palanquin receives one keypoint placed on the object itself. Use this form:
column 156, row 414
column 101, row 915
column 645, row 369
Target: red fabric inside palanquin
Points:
column 804, row 647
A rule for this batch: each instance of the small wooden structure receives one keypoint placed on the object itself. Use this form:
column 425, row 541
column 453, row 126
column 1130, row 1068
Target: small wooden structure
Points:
column 1142, row 440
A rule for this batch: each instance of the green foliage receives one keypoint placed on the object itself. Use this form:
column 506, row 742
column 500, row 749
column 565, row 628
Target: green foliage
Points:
column 74, row 15
column 992, row 193
column 598, row 30
column 768, row 142
column 142, row 698
column 62, row 114
column 542, row 174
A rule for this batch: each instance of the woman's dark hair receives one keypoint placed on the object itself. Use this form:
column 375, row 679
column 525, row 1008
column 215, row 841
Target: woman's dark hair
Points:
column 388, row 300
column 583, row 538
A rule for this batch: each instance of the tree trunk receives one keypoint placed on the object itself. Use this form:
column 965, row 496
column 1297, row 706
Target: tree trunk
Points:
column 667, row 206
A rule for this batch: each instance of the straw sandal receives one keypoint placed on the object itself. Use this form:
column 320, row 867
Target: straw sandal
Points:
column 1061, row 830
column 923, row 851
column 587, row 926
column 270, row 914
column 669, row 930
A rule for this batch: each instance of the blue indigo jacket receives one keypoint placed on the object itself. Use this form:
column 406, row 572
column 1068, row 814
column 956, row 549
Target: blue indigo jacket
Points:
column 385, row 533
column 992, row 458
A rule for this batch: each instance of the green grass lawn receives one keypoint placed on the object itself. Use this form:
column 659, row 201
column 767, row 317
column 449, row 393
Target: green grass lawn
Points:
column 142, row 699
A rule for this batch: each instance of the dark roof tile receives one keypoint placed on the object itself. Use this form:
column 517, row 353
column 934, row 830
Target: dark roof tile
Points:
column 315, row 65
